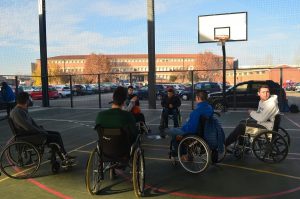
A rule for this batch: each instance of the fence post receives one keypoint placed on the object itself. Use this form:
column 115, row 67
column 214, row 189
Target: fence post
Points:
column 130, row 79
column 17, row 85
column 281, row 93
column 71, row 87
column 234, row 92
column 193, row 94
column 99, row 91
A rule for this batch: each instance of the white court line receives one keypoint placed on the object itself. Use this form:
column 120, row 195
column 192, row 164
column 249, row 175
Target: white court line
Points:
column 89, row 121
column 295, row 123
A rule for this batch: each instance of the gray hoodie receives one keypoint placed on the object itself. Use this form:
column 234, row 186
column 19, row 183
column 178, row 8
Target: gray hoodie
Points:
column 266, row 112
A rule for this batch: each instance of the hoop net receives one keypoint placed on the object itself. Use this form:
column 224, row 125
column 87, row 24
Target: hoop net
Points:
column 222, row 38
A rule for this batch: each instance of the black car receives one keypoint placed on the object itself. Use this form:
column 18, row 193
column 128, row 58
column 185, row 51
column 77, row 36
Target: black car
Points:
column 246, row 95
column 142, row 93
column 210, row 87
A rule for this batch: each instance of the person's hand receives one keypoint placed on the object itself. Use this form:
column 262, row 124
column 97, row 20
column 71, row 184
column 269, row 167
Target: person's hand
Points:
column 170, row 105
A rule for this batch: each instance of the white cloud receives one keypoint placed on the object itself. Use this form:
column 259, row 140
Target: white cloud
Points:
column 126, row 10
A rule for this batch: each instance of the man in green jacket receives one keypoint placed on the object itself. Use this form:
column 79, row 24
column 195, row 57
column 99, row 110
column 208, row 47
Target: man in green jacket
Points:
column 116, row 117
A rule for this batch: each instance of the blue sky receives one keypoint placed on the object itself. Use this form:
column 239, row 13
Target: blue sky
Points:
column 120, row 26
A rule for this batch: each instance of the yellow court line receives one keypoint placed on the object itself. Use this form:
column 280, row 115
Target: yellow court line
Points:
column 261, row 171
column 241, row 167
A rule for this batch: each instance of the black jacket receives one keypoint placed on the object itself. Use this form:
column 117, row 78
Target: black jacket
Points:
column 174, row 100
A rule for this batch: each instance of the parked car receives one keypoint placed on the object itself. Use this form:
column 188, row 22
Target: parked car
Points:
column 37, row 93
column 297, row 87
column 210, row 87
column 63, row 91
column 246, row 95
column 142, row 93
column 78, row 90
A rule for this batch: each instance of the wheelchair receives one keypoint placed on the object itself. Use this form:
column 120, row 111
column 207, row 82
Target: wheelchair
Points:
column 197, row 152
column 143, row 128
column 270, row 146
column 114, row 151
column 171, row 117
column 22, row 156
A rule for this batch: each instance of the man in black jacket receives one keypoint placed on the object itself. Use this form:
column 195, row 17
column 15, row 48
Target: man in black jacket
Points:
column 170, row 104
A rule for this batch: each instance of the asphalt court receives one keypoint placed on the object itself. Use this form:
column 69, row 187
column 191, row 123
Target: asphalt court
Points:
column 246, row 178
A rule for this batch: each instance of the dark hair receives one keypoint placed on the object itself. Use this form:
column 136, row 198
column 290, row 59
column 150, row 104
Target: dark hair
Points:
column 120, row 95
column 22, row 98
column 4, row 84
column 202, row 94
column 130, row 87
column 263, row 86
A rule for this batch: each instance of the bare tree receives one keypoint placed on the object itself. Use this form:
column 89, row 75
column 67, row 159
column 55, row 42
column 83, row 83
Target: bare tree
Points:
column 96, row 64
column 210, row 63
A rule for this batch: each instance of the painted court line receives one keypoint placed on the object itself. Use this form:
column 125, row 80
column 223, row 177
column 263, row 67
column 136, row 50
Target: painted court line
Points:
column 295, row 123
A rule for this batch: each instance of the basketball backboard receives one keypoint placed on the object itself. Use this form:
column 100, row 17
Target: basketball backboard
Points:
column 232, row 26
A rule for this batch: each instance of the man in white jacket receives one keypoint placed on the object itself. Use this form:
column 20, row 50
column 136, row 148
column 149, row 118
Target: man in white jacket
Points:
column 263, row 117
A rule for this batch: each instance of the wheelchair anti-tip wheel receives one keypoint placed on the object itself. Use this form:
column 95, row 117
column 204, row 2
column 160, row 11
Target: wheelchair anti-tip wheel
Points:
column 270, row 147
column 20, row 160
column 94, row 174
column 194, row 154
column 138, row 172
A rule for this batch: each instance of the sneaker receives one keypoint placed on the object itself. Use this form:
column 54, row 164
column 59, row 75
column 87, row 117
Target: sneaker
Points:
column 68, row 163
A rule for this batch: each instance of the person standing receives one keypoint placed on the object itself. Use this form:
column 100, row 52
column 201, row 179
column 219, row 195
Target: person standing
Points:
column 8, row 97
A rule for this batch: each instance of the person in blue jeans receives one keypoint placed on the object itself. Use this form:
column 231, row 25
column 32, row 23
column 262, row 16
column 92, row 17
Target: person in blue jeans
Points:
column 192, row 124
column 8, row 97
column 170, row 104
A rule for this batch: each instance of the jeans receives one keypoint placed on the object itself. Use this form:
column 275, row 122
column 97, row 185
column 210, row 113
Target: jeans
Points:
column 165, row 118
column 240, row 130
column 173, row 132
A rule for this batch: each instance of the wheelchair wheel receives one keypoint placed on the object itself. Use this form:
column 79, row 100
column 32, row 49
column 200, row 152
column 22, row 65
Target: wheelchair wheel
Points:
column 138, row 172
column 194, row 154
column 285, row 135
column 20, row 160
column 94, row 175
column 270, row 147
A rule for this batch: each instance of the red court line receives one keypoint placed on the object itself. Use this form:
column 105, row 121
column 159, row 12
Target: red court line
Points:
column 49, row 190
column 186, row 195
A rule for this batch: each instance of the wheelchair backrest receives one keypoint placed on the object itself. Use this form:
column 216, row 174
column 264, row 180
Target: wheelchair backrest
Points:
column 276, row 122
column 114, row 142
column 12, row 127
column 201, row 126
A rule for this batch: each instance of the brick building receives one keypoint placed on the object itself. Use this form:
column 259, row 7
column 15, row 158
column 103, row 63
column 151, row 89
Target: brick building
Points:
column 166, row 64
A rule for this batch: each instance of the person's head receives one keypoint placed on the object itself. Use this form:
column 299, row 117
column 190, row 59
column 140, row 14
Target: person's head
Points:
column 130, row 90
column 264, row 92
column 4, row 84
column 170, row 92
column 23, row 99
column 119, row 96
column 200, row 96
